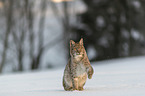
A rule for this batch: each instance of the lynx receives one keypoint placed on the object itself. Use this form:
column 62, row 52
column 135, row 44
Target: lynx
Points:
column 78, row 68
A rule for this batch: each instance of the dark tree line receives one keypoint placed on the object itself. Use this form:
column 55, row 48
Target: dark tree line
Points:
column 114, row 28
column 111, row 27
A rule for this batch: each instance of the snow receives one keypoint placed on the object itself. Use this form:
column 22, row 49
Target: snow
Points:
column 120, row 77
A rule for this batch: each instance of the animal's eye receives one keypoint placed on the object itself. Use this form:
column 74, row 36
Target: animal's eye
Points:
column 73, row 45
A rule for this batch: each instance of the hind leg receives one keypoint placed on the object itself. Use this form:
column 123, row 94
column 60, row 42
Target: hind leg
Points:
column 67, row 84
column 68, row 88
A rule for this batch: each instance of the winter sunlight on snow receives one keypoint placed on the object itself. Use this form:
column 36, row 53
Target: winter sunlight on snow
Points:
column 121, row 77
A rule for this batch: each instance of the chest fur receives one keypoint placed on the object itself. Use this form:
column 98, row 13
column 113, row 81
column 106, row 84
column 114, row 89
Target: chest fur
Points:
column 80, row 70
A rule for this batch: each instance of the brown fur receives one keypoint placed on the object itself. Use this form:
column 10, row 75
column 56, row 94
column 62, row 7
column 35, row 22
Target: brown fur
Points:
column 78, row 68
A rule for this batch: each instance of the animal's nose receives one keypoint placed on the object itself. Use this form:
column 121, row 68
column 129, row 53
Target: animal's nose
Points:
column 78, row 53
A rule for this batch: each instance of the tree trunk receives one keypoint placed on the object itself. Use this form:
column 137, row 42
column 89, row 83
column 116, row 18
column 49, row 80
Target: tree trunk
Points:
column 8, row 30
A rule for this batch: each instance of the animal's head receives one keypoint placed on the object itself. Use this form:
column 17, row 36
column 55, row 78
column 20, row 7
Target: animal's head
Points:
column 77, row 49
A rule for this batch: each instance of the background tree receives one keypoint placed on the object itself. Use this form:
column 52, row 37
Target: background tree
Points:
column 111, row 27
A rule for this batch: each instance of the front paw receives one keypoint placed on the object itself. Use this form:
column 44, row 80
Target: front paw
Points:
column 90, row 76
column 74, row 88
column 81, row 89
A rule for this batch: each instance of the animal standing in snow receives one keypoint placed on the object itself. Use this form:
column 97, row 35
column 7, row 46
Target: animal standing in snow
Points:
column 78, row 68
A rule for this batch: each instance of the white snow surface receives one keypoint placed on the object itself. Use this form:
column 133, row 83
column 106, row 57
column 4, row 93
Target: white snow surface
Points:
column 120, row 77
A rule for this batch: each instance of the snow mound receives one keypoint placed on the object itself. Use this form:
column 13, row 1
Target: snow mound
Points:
column 121, row 77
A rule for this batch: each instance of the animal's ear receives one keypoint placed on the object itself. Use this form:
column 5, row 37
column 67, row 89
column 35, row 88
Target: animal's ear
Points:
column 72, row 43
column 81, row 41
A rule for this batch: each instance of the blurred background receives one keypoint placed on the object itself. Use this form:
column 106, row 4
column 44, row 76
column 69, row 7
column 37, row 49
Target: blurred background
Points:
column 35, row 34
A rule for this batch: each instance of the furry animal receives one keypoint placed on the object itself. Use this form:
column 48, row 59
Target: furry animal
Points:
column 78, row 68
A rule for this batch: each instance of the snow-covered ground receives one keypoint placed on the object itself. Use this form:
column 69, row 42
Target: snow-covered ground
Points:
column 120, row 77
